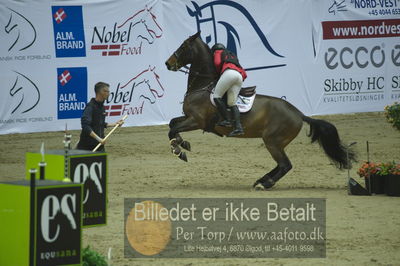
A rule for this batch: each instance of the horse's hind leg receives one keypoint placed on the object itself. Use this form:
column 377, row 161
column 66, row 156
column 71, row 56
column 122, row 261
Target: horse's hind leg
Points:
column 276, row 147
column 266, row 176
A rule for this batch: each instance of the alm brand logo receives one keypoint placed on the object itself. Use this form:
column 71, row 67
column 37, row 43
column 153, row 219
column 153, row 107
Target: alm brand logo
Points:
column 129, row 35
column 19, row 30
column 69, row 36
column 72, row 92
column 218, row 21
column 58, row 225
column 130, row 96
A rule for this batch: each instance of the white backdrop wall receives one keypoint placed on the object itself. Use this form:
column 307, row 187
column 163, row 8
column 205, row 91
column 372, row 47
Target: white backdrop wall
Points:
column 325, row 57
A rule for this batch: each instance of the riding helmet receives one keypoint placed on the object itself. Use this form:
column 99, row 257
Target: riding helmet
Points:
column 217, row 46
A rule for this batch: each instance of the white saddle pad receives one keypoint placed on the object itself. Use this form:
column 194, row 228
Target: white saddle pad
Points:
column 243, row 103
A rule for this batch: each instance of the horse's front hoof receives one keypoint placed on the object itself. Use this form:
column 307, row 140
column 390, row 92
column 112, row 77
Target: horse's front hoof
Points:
column 269, row 183
column 258, row 187
column 256, row 183
column 186, row 145
column 183, row 156
column 262, row 184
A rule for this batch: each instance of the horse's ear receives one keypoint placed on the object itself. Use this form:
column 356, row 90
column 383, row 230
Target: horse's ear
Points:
column 195, row 36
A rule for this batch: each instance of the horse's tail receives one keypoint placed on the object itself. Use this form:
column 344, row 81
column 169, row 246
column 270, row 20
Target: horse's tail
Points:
column 328, row 137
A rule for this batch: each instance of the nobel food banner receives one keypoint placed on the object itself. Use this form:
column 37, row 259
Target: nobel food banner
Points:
column 325, row 57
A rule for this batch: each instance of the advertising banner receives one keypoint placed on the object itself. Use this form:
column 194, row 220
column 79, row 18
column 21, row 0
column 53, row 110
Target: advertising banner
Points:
column 356, row 54
column 58, row 226
column 325, row 57
column 225, row 228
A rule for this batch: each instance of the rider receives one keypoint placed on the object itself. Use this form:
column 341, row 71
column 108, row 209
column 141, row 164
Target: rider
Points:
column 230, row 81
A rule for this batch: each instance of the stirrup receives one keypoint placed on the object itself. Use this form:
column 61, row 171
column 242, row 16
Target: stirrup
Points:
column 224, row 123
column 236, row 132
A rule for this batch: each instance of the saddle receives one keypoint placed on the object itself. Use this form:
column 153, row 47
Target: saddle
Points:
column 247, row 91
column 245, row 99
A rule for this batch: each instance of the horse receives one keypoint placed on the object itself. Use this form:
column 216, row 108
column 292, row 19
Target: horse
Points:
column 274, row 120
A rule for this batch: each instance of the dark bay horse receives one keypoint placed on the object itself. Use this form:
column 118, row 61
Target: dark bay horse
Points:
column 274, row 120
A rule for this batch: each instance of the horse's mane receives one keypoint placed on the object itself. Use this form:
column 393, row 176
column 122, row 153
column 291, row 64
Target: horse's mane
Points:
column 205, row 47
column 197, row 37
column 203, row 63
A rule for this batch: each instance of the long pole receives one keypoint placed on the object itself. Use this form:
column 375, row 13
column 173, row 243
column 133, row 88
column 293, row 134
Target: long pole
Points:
column 369, row 178
column 32, row 221
column 348, row 160
column 67, row 147
column 112, row 130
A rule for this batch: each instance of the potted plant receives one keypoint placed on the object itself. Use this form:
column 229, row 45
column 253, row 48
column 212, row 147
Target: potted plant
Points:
column 392, row 181
column 372, row 173
column 92, row 258
column 392, row 113
column 381, row 178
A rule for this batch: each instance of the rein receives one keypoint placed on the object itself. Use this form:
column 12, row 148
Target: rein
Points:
column 207, row 88
column 195, row 74
column 198, row 74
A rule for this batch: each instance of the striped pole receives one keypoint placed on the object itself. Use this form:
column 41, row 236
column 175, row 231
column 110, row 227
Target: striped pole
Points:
column 67, row 147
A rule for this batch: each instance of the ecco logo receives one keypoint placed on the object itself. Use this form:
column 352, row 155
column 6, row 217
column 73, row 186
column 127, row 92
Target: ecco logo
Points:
column 94, row 172
column 361, row 57
column 50, row 208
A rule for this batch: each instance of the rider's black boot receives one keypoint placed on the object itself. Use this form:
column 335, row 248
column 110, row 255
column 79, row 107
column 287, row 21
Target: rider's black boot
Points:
column 221, row 106
column 238, row 130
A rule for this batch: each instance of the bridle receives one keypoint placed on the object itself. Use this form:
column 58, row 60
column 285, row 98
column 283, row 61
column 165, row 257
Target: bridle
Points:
column 197, row 74
column 187, row 70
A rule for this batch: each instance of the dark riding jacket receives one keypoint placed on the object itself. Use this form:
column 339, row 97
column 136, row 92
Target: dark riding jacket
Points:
column 222, row 63
column 93, row 119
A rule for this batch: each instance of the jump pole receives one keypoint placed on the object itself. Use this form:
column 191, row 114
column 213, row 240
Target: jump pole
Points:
column 112, row 130
column 32, row 220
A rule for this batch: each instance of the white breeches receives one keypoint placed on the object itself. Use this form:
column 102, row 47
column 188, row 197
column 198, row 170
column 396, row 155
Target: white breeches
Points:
column 230, row 82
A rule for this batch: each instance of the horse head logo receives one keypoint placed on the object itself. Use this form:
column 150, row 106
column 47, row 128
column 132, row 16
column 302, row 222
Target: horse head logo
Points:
column 151, row 23
column 149, row 86
column 25, row 92
column 207, row 15
column 146, row 86
column 142, row 31
column 21, row 31
column 337, row 7
column 146, row 28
